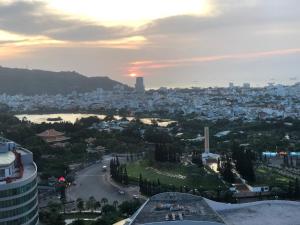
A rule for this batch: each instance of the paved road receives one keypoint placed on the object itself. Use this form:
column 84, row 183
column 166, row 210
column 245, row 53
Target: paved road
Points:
column 92, row 181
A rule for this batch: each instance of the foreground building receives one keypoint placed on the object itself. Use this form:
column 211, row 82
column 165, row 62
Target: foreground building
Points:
column 18, row 185
column 173, row 208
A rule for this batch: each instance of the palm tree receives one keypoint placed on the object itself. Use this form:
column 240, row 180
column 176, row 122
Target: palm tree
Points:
column 91, row 203
column 97, row 205
column 115, row 204
column 104, row 201
column 80, row 204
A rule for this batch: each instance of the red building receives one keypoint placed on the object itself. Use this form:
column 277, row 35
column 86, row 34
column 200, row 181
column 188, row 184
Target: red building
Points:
column 53, row 137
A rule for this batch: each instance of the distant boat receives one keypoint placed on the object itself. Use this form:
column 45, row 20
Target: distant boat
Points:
column 54, row 119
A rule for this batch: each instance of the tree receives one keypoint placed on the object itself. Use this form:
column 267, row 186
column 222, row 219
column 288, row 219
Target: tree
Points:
column 102, row 222
column 244, row 163
column 129, row 207
column 297, row 188
column 118, row 172
column 80, row 204
column 154, row 135
column 91, row 203
column 140, row 180
column 97, row 205
column 197, row 158
column 167, row 152
column 219, row 165
column 104, row 201
column 52, row 215
column 63, row 192
column 59, row 220
column 115, row 203
column 107, row 209
column 298, row 162
column 290, row 189
column 227, row 171
column 125, row 177
column 78, row 222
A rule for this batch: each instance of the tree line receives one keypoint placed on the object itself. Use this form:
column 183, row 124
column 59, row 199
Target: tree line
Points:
column 167, row 153
column 294, row 189
column 118, row 172
column 243, row 160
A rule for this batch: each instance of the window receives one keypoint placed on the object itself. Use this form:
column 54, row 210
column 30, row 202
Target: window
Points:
column 17, row 191
column 18, row 201
column 2, row 173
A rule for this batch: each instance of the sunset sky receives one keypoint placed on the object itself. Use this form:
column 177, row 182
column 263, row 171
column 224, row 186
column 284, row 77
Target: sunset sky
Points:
column 172, row 43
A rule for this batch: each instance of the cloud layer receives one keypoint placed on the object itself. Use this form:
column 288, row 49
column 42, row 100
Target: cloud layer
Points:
column 238, row 41
column 33, row 18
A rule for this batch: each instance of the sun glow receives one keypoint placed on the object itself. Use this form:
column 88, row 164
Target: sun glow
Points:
column 133, row 74
column 131, row 12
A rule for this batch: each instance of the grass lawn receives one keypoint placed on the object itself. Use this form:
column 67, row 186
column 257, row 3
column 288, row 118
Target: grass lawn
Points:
column 267, row 176
column 176, row 174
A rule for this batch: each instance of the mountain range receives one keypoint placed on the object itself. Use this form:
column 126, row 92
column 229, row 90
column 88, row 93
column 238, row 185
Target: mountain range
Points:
column 35, row 82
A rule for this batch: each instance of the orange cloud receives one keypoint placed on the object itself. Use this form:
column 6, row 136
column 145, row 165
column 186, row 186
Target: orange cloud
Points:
column 10, row 52
column 157, row 64
column 18, row 45
column 133, row 42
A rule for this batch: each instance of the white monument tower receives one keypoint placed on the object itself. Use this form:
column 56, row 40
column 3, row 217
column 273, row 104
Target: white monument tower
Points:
column 206, row 143
column 207, row 156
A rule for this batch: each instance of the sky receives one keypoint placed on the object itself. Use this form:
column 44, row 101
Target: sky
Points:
column 171, row 43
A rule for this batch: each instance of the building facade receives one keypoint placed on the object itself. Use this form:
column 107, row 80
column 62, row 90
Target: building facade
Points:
column 18, row 185
column 139, row 85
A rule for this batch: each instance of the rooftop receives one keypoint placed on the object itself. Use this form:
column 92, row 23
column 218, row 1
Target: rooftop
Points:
column 50, row 133
column 262, row 213
column 7, row 158
column 21, row 173
column 178, row 208
column 196, row 210
column 185, row 223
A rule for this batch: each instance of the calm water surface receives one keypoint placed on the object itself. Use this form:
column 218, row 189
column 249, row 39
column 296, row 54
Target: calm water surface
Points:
column 72, row 117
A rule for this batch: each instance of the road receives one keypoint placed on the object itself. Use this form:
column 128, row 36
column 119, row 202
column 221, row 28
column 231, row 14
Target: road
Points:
column 92, row 181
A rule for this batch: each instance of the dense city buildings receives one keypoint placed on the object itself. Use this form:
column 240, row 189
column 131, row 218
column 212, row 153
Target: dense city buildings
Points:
column 18, row 185
column 273, row 101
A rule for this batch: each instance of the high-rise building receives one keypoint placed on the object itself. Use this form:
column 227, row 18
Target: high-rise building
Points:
column 18, row 185
column 139, row 85
column 246, row 85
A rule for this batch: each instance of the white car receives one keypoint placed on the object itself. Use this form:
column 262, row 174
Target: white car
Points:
column 121, row 192
column 135, row 196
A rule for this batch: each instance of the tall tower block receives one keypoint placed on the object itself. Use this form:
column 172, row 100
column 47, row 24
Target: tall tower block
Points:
column 206, row 144
column 139, row 85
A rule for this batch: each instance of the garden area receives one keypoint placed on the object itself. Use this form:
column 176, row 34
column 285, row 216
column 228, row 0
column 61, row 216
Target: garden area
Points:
column 270, row 177
column 175, row 174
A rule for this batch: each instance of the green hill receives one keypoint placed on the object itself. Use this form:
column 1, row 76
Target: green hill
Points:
column 31, row 82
